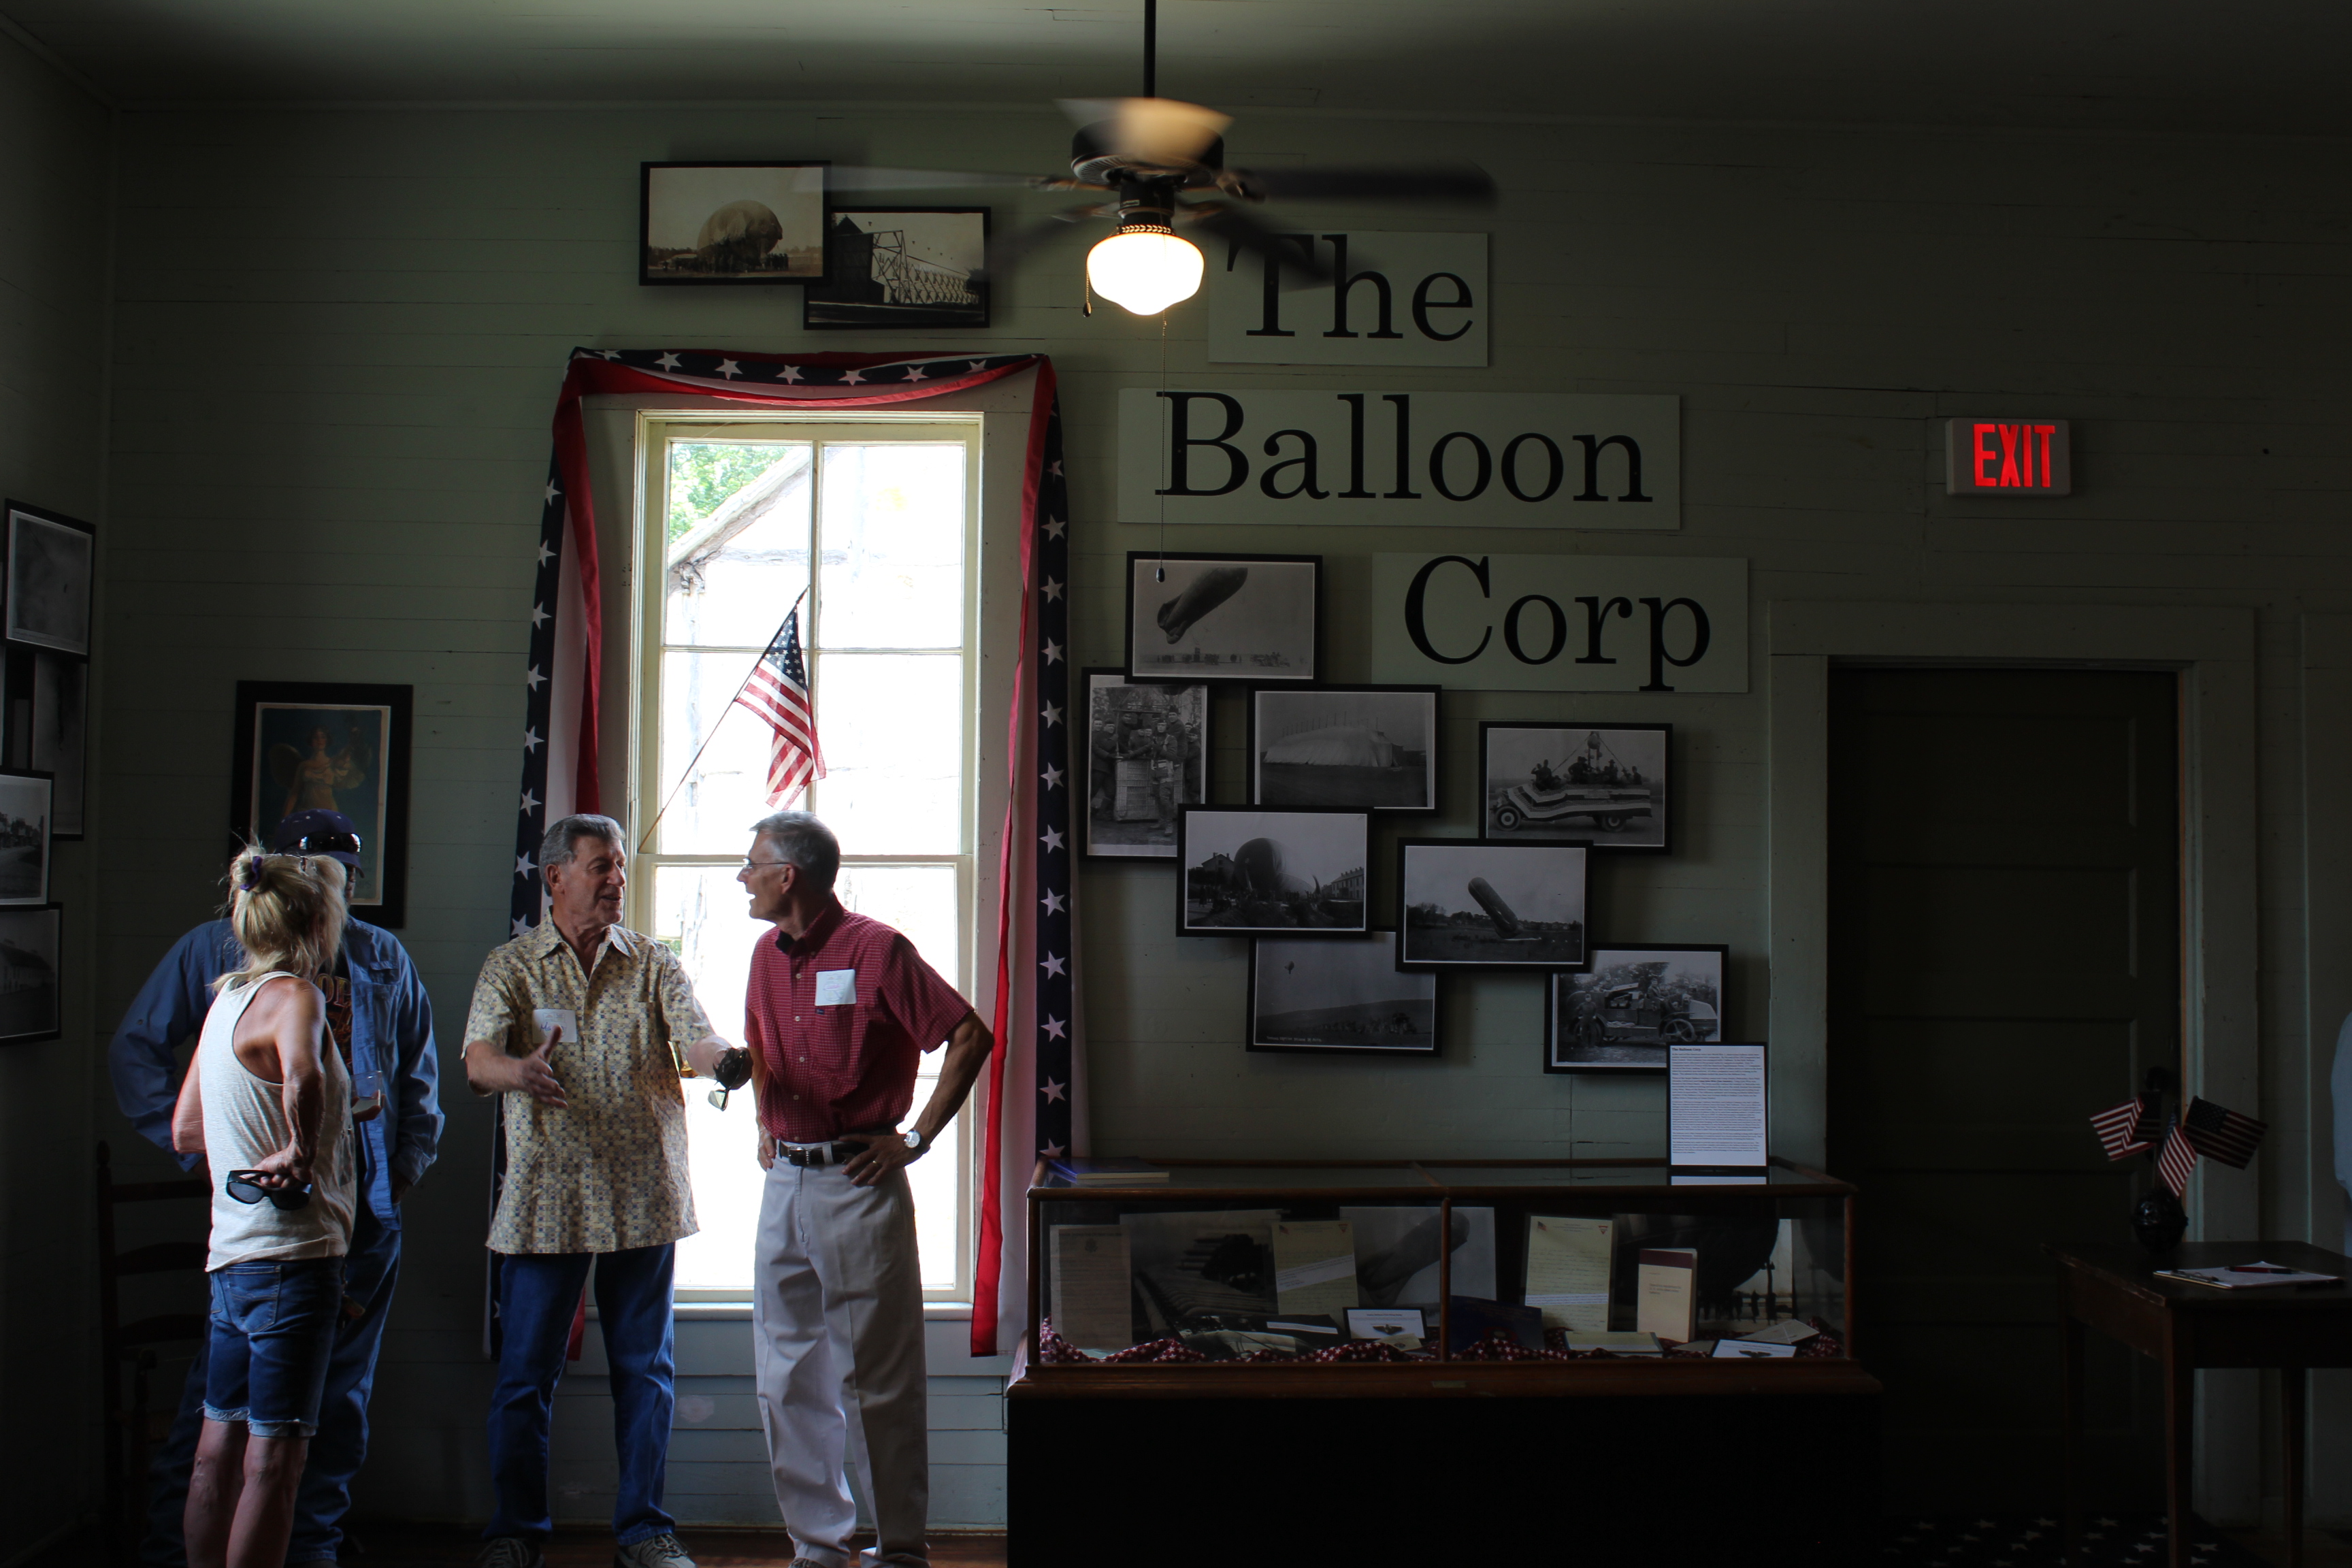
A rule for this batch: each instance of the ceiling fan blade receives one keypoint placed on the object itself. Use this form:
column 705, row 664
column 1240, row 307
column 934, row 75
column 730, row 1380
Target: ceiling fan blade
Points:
column 1005, row 249
column 1154, row 130
column 1302, row 266
column 857, row 177
column 1424, row 183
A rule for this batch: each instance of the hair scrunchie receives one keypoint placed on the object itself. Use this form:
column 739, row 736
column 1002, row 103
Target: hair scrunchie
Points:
column 248, row 874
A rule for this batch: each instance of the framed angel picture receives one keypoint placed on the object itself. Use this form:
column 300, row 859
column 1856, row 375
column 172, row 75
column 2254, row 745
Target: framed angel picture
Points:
column 315, row 745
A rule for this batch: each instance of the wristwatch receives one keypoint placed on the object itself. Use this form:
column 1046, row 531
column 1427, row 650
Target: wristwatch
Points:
column 914, row 1137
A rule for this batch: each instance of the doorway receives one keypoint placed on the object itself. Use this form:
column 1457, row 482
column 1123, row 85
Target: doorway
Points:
column 2004, row 958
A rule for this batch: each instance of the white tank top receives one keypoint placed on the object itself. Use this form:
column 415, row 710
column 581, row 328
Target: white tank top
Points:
column 245, row 1122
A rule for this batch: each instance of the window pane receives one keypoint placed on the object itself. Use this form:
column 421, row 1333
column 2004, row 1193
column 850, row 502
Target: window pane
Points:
column 713, row 810
column 892, row 536
column 700, row 910
column 738, row 556
column 916, row 901
column 892, row 729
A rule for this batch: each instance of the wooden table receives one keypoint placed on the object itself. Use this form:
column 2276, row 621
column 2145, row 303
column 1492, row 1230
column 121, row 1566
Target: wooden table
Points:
column 2187, row 1327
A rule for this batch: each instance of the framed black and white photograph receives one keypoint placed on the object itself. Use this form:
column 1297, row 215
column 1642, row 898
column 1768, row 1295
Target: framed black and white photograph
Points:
column 1367, row 747
column 1604, row 783
column 26, row 809
column 1474, row 905
column 901, row 267
column 52, row 562
column 1222, row 617
column 31, row 944
column 324, row 745
column 60, row 719
column 1621, row 1015
column 731, row 223
column 1330, row 996
column 1147, row 758
column 1260, row 871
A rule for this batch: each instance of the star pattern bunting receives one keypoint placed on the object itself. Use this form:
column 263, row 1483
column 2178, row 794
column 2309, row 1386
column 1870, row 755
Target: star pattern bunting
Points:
column 531, row 822
column 1051, row 630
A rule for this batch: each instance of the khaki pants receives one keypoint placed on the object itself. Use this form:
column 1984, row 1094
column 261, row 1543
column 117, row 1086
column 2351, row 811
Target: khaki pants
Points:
column 837, row 1341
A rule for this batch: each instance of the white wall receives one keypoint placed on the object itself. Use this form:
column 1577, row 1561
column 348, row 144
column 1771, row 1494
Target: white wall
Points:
column 341, row 335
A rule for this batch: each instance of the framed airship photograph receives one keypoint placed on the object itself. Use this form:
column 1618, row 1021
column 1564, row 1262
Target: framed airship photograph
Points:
column 1471, row 905
column 1606, row 784
column 1361, row 747
column 1223, row 618
column 731, row 223
column 1248, row 871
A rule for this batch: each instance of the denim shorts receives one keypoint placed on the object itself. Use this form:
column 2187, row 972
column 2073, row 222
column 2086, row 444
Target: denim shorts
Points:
column 273, row 1330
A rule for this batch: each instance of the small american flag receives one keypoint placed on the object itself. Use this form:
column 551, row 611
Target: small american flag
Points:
column 2180, row 1158
column 778, row 691
column 2219, row 1133
column 2127, row 1129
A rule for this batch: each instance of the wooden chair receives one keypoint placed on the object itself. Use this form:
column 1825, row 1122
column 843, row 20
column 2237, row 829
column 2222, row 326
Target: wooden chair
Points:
column 130, row 1427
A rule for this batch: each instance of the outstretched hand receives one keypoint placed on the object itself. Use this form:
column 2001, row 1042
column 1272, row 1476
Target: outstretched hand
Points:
column 530, row 1074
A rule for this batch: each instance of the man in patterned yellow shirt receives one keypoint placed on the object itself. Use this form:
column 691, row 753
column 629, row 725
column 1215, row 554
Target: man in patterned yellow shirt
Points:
column 579, row 1026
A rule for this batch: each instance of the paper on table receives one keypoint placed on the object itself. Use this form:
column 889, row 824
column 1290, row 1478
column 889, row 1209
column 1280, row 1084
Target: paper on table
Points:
column 1623, row 1342
column 1714, row 1105
column 1751, row 1350
column 1386, row 1323
column 1791, row 1332
column 1315, row 1266
column 1664, row 1293
column 1093, row 1309
column 1568, row 1271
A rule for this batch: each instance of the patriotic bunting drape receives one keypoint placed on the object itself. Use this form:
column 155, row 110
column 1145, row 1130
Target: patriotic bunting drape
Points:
column 1033, row 1012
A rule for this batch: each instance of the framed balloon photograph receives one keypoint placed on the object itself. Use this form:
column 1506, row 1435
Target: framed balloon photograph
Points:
column 1251, row 871
column 320, row 745
column 1223, row 618
column 731, row 224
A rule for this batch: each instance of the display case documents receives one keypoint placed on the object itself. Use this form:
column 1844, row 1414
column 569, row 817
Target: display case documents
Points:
column 1371, row 1270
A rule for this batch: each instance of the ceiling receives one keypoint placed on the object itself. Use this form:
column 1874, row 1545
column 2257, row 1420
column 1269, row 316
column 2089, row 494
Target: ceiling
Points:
column 2149, row 65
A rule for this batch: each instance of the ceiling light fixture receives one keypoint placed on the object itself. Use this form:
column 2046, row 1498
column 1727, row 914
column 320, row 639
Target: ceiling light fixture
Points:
column 1145, row 268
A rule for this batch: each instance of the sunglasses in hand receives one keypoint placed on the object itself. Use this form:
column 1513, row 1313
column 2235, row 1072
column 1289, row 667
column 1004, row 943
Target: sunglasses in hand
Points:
column 245, row 1188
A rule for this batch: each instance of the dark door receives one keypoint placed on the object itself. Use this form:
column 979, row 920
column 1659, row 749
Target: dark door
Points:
column 2004, row 960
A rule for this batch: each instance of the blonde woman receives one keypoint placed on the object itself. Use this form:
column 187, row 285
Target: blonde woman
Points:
column 269, row 1104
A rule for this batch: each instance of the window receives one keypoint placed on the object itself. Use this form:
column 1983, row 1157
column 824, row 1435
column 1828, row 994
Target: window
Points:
column 733, row 513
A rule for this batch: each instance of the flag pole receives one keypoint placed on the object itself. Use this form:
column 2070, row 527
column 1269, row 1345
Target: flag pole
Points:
column 730, row 708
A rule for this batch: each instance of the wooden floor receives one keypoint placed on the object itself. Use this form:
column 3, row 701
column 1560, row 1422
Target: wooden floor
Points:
column 412, row 1546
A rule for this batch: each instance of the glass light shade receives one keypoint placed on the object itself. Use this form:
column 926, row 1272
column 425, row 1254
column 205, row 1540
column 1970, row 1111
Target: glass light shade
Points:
column 1145, row 271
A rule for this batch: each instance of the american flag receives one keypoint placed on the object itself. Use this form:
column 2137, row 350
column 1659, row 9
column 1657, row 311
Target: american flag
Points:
column 2127, row 1129
column 778, row 691
column 2219, row 1133
column 2178, row 1159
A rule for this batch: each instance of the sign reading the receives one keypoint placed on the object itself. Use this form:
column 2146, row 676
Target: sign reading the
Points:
column 2007, row 457
column 1394, row 298
column 1401, row 459
column 1560, row 623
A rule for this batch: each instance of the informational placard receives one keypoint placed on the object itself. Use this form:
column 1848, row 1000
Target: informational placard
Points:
column 1377, row 457
column 1716, row 1106
column 1393, row 299
column 2008, row 458
column 1569, row 1261
column 1560, row 623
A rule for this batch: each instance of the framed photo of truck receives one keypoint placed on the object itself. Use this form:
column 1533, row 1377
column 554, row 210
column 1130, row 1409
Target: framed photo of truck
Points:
column 1621, row 1015
column 1609, row 785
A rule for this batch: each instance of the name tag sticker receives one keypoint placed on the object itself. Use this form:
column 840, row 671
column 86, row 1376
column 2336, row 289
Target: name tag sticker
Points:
column 546, row 1020
column 836, row 987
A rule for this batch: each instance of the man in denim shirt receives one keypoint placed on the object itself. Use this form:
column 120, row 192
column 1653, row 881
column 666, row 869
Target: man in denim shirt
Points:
column 387, row 1028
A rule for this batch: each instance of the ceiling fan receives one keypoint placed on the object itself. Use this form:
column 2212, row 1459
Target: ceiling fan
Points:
column 1148, row 155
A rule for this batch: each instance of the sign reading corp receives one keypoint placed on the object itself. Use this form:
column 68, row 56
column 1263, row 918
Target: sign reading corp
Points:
column 1560, row 623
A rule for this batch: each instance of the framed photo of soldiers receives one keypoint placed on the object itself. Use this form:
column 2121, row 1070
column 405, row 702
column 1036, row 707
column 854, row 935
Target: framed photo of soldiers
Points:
column 1223, row 618
column 1260, row 871
column 1621, row 1015
column 1147, row 758
column 1365, row 748
column 1605, row 784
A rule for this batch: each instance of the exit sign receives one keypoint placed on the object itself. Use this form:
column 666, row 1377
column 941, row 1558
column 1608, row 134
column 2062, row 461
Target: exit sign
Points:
column 2007, row 457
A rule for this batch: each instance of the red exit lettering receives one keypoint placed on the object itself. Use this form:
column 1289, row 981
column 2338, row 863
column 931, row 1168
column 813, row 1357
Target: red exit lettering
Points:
column 2007, row 457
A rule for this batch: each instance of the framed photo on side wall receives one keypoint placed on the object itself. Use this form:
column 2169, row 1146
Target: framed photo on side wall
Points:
column 901, row 267
column 1607, row 785
column 731, row 224
column 1637, row 998
column 1365, row 748
column 1259, row 872
column 27, row 806
column 1223, row 618
column 321, row 745
column 52, row 563
column 1147, row 758
column 1473, row 905
column 1340, row 997
column 31, row 978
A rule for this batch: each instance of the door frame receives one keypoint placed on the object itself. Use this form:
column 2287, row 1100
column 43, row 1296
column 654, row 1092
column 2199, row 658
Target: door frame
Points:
column 2214, row 651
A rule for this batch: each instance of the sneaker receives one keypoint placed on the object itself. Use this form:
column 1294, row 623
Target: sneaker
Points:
column 661, row 1550
column 510, row 1551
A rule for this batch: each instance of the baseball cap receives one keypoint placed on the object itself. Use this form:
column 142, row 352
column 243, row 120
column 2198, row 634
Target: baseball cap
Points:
column 318, row 832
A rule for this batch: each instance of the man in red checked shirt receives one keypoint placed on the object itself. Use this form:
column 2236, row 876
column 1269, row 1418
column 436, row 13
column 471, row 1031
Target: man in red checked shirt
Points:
column 838, row 1010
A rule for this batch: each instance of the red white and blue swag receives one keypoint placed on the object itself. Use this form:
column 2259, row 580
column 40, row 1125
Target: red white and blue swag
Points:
column 1034, row 1021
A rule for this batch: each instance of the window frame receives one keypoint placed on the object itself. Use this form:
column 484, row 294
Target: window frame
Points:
column 654, row 430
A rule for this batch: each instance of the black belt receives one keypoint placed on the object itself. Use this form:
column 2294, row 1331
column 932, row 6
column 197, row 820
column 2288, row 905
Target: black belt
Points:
column 818, row 1154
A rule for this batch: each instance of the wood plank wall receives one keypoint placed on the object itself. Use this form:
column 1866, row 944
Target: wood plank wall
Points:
column 340, row 334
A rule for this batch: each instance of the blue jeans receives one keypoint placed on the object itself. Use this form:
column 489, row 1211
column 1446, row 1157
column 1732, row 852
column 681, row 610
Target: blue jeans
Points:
column 537, row 1296
column 369, row 1271
column 272, row 1331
